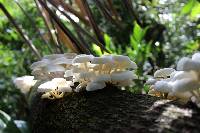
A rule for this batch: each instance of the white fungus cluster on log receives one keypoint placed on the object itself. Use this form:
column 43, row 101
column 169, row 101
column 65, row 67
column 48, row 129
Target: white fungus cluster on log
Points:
column 182, row 84
column 62, row 71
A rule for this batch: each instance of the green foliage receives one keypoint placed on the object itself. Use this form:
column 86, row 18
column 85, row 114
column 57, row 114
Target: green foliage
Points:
column 109, row 44
column 8, row 125
column 139, row 50
column 188, row 7
column 192, row 8
column 96, row 49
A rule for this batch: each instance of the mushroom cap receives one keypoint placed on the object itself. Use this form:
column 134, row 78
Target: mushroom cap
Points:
column 102, row 78
column 101, row 60
column 184, row 85
column 163, row 73
column 54, row 68
column 187, row 64
column 126, row 83
column 53, row 56
column 151, row 81
column 68, row 73
column 92, row 86
column 62, row 60
column 121, row 58
column 163, row 86
column 57, row 83
column 184, row 74
column 121, row 76
column 132, row 65
column 47, row 86
column 40, row 64
column 24, row 83
column 70, row 55
column 196, row 57
column 86, row 75
column 61, row 82
column 82, row 58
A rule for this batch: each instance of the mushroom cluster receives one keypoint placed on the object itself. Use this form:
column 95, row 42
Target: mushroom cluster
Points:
column 182, row 84
column 60, row 72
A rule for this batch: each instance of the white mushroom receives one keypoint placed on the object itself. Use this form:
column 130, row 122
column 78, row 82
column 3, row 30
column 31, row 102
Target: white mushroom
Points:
column 68, row 73
column 163, row 73
column 92, row 86
column 53, row 56
column 151, row 81
column 102, row 78
column 25, row 83
column 54, row 68
column 39, row 64
column 82, row 60
column 196, row 57
column 124, row 75
column 102, row 62
column 70, row 55
column 184, row 85
column 163, row 86
column 126, row 83
column 83, row 79
column 57, row 83
column 187, row 64
column 123, row 62
column 62, row 60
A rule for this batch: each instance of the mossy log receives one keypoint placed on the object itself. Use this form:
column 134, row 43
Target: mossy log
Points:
column 111, row 110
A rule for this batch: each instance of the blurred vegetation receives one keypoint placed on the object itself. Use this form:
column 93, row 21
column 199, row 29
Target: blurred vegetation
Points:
column 153, row 33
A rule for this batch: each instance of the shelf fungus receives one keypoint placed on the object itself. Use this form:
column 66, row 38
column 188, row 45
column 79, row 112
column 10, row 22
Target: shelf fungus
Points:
column 182, row 84
column 66, row 73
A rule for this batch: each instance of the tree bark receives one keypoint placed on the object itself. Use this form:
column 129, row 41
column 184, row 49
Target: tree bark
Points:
column 111, row 110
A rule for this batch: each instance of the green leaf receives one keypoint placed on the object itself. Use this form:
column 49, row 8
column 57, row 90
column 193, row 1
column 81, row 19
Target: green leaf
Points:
column 137, row 32
column 97, row 49
column 195, row 11
column 109, row 45
column 7, row 124
column 188, row 7
column 134, row 43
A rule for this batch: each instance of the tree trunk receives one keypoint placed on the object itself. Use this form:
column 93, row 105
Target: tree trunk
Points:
column 111, row 110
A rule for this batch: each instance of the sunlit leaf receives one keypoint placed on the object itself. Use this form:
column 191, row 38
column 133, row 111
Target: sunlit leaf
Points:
column 109, row 45
column 137, row 32
column 97, row 49
column 195, row 13
column 134, row 43
column 188, row 7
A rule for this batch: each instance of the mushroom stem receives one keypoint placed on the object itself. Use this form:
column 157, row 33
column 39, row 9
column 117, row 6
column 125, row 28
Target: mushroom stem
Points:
column 100, row 68
column 193, row 93
column 165, row 95
column 85, row 65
